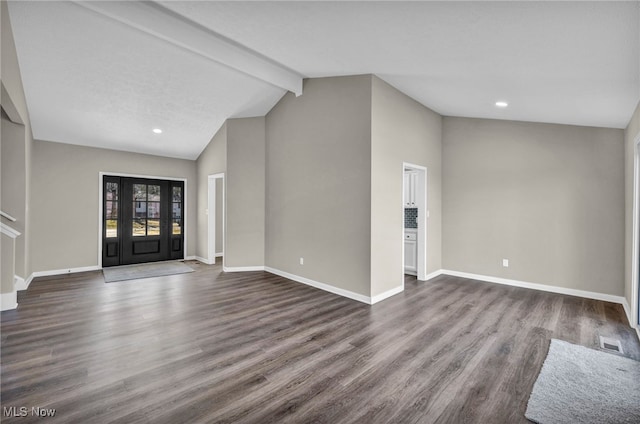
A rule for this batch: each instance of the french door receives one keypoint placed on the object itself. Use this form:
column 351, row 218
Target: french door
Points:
column 142, row 220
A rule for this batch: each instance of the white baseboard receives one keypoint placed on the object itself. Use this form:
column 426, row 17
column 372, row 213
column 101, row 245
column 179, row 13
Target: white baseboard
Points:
column 632, row 322
column 219, row 255
column 20, row 284
column 203, row 260
column 434, row 274
column 8, row 301
column 627, row 310
column 384, row 295
column 243, row 268
column 65, row 271
column 321, row 286
column 536, row 286
column 190, row 258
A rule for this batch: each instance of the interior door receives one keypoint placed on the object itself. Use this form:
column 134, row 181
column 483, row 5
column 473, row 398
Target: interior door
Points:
column 143, row 220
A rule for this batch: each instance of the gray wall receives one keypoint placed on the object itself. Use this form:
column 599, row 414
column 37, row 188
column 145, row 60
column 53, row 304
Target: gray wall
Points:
column 7, row 271
column 10, row 70
column 402, row 131
column 13, row 198
column 549, row 198
column 630, row 134
column 318, row 167
column 65, row 199
column 245, row 182
column 16, row 156
column 212, row 160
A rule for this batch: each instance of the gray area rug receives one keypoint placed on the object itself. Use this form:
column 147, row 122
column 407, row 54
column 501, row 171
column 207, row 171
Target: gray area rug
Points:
column 134, row 272
column 582, row 385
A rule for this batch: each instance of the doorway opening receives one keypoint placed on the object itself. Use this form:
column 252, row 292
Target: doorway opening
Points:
column 215, row 218
column 414, row 215
column 142, row 220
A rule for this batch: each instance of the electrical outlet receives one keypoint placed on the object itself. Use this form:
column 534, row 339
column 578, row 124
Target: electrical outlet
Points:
column 505, row 263
column 301, row 261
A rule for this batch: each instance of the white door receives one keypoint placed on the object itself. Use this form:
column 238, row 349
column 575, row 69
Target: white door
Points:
column 413, row 183
column 406, row 197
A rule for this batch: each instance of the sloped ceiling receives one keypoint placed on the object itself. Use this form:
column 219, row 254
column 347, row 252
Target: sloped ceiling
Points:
column 97, row 79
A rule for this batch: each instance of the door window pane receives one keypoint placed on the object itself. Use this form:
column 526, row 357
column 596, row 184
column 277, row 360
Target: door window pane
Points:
column 111, row 228
column 153, row 211
column 177, row 194
column 177, row 210
column 140, row 192
column 153, row 227
column 139, row 209
column 112, row 191
column 146, row 210
column 111, row 210
column 177, row 228
column 139, row 227
column 154, row 193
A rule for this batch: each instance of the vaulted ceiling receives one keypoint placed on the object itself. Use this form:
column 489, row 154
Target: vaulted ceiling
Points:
column 105, row 74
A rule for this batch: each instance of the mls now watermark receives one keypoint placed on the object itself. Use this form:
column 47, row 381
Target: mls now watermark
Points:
column 23, row 411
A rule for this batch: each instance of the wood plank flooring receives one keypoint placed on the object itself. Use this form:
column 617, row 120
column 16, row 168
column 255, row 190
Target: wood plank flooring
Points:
column 257, row 348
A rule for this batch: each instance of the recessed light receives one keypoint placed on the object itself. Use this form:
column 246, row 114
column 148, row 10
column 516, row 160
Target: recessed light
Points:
column 502, row 104
column 157, row 130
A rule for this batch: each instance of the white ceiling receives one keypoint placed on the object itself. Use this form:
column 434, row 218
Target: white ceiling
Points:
column 92, row 80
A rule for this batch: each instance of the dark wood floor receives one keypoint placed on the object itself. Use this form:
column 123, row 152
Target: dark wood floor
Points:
column 257, row 348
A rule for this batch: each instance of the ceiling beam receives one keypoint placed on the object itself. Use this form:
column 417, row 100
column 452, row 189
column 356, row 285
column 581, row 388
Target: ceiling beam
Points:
column 152, row 18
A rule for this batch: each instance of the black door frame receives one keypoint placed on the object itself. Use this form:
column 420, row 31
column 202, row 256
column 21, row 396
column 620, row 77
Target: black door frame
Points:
column 182, row 254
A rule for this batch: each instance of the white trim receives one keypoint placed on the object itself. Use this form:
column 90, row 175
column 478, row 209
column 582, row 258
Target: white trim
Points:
column 20, row 284
column 9, row 217
column 243, row 268
column 203, row 260
column 536, row 286
column 219, row 255
column 9, row 107
column 64, row 271
column 164, row 24
column 8, row 231
column 434, row 274
column 148, row 177
column 627, row 310
column 188, row 258
column 321, row 286
column 8, row 301
column 384, row 295
column 635, row 242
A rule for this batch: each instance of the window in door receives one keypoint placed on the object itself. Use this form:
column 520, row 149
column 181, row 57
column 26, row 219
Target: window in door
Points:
column 146, row 210
column 111, row 210
column 177, row 211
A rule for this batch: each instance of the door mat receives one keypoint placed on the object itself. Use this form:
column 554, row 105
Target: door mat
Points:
column 135, row 272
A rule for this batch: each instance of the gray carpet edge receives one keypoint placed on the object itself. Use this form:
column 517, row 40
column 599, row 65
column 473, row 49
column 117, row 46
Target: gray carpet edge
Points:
column 614, row 403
